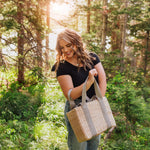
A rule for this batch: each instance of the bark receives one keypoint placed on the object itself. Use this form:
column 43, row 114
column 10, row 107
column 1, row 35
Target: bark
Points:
column 2, row 62
column 116, row 40
column 20, row 43
column 147, row 50
column 104, row 25
column 47, row 36
column 1, row 58
column 28, row 4
column 38, row 37
column 76, row 22
column 124, row 26
column 39, row 50
column 88, row 16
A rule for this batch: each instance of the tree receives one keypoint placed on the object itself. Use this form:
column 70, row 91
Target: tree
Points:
column 47, row 34
column 88, row 16
column 38, row 36
column 23, row 28
column 20, row 42
column 104, row 25
column 147, row 53
column 123, row 33
column 139, row 27
column 2, row 62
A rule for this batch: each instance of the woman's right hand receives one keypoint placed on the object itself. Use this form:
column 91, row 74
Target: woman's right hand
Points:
column 92, row 74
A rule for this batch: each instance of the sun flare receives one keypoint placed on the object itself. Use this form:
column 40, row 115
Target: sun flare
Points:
column 60, row 11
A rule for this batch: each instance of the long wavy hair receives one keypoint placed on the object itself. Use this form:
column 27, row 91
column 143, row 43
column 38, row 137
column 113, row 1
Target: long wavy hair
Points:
column 72, row 37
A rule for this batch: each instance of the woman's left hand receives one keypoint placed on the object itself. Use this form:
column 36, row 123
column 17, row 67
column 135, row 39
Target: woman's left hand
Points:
column 92, row 74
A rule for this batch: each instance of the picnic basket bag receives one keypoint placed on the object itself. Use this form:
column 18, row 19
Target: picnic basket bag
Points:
column 91, row 118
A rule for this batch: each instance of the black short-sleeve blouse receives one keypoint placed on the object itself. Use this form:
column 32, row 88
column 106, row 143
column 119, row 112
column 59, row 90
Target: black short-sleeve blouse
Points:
column 78, row 75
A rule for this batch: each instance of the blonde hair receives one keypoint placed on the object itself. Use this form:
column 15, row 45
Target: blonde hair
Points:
column 75, row 39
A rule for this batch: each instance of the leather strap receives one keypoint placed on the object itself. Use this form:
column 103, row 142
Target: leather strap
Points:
column 89, row 119
column 101, row 102
column 71, row 101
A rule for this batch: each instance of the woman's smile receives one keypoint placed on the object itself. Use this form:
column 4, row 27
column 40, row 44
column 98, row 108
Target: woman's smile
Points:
column 66, row 48
column 68, row 53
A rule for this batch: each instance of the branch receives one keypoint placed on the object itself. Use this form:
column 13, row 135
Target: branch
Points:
column 10, row 57
column 59, row 22
column 28, row 31
column 29, row 50
column 108, row 135
column 7, row 42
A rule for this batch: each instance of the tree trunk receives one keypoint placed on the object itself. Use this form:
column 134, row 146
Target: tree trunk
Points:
column 104, row 25
column 47, row 66
column 116, row 39
column 124, row 26
column 88, row 16
column 2, row 62
column 147, row 50
column 76, row 22
column 1, row 58
column 20, row 43
column 39, row 39
column 39, row 50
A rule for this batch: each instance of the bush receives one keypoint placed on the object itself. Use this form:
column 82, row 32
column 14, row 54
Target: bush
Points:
column 15, row 105
column 124, row 93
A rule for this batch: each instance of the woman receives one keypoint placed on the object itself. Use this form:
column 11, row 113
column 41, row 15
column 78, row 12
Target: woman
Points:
column 74, row 65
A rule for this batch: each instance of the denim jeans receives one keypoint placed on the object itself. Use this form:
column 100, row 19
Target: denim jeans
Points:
column 73, row 144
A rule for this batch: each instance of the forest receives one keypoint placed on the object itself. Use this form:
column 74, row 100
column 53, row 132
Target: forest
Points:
column 31, row 101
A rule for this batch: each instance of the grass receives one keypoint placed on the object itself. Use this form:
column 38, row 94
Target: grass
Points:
column 46, row 130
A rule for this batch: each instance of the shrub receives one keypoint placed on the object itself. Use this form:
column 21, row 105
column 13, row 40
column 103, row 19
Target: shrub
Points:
column 15, row 105
column 124, row 93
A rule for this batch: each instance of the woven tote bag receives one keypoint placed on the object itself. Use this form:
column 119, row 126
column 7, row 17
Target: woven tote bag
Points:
column 91, row 118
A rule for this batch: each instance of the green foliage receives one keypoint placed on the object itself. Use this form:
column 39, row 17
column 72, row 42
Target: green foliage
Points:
column 32, row 118
column 9, row 24
column 124, row 92
column 35, row 89
column 15, row 135
column 128, row 140
column 92, row 41
column 46, row 129
column 36, row 72
column 42, row 130
column 131, row 113
column 50, row 130
column 34, row 75
column 15, row 105
column 47, row 133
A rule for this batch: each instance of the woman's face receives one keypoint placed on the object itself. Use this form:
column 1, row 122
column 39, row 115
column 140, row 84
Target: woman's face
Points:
column 68, row 49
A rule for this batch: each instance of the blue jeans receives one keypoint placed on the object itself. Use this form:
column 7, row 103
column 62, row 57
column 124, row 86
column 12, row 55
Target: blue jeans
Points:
column 73, row 144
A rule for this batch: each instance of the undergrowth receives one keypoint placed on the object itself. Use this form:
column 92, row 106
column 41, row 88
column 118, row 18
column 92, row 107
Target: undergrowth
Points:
column 33, row 117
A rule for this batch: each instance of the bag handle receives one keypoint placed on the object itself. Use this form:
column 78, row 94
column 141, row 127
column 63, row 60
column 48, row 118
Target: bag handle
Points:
column 97, row 91
column 71, row 101
column 84, row 95
column 102, row 105
column 85, row 108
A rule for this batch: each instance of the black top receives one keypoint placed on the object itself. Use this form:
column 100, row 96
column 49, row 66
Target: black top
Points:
column 78, row 75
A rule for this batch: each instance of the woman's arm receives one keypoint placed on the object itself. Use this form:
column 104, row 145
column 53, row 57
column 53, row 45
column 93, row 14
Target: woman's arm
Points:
column 66, row 84
column 101, row 78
